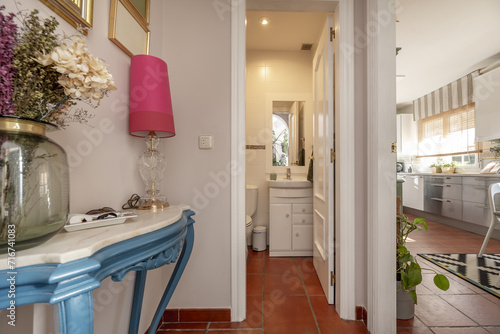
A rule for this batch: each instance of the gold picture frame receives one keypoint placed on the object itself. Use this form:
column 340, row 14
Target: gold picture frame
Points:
column 127, row 28
column 142, row 8
column 75, row 12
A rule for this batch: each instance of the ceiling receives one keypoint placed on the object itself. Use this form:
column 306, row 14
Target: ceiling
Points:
column 287, row 31
column 441, row 40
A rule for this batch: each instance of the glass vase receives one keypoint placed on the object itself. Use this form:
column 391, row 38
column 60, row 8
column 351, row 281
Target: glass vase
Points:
column 34, row 184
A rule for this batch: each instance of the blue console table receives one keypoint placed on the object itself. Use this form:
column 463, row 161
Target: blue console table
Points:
column 66, row 269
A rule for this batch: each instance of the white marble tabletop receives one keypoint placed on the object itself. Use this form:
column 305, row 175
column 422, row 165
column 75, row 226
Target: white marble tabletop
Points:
column 69, row 246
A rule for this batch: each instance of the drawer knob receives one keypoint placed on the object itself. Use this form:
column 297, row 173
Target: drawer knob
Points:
column 303, row 220
column 287, row 215
column 297, row 234
column 303, row 209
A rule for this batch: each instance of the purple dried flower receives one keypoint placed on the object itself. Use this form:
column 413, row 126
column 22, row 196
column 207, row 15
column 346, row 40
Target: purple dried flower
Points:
column 8, row 32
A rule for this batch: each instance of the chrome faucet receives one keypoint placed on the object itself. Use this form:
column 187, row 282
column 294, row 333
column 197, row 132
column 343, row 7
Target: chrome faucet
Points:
column 288, row 174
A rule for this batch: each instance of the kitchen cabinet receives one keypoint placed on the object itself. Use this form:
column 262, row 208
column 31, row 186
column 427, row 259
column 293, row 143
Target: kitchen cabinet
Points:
column 475, row 202
column 413, row 191
column 443, row 196
column 290, row 222
column 407, row 134
column 487, row 100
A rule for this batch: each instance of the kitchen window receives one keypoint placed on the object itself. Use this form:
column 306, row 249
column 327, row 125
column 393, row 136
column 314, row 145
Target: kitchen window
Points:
column 451, row 133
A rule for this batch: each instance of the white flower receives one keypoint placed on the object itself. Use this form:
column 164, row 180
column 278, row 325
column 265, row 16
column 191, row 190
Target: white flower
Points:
column 82, row 74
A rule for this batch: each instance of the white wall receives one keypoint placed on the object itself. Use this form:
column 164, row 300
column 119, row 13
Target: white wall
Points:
column 361, row 154
column 103, row 160
column 271, row 73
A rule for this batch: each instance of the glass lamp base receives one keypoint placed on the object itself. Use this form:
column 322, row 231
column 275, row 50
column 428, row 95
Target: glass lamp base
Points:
column 152, row 203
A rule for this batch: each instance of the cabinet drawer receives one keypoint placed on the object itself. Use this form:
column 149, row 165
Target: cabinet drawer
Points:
column 302, row 237
column 444, row 179
column 475, row 193
column 443, row 190
column 480, row 180
column 476, row 213
column 290, row 193
column 300, row 219
column 444, row 207
column 302, row 208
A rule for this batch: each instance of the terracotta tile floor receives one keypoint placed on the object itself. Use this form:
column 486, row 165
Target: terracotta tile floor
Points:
column 284, row 296
column 464, row 308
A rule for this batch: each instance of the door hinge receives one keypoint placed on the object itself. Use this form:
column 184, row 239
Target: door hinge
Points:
column 332, row 155
column 394, row 147
column 332, row 278
column 332, row 34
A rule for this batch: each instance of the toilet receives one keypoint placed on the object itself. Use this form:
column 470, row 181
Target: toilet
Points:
column 250, row 207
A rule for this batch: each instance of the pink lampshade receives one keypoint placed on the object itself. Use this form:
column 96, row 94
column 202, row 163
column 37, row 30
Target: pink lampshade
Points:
column 150, row 100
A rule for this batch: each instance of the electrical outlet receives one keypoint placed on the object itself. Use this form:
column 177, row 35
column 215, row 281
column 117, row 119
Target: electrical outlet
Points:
column 205, row 142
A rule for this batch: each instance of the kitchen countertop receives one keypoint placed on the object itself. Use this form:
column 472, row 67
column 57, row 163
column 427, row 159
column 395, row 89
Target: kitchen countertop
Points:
column 454, row 174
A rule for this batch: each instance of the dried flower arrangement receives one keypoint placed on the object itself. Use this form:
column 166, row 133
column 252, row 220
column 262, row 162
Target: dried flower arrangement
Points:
column 43, row 75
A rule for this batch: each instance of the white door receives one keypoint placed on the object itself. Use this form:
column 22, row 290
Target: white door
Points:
column 323, row 123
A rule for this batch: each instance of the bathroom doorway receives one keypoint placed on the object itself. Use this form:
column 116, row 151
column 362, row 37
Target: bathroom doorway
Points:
column 281, row 50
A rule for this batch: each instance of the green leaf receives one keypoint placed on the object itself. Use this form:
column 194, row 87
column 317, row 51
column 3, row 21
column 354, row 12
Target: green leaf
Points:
column 414, row 276
column 402, row 250
column 413, row 295
column 419, row 220
column 442, row 282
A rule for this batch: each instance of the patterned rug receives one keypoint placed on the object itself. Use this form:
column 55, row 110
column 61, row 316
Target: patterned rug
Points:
column 482, row 272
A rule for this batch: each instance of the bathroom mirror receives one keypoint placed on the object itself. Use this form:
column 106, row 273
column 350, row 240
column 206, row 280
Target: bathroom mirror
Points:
column 289, row 132
column 288, row 146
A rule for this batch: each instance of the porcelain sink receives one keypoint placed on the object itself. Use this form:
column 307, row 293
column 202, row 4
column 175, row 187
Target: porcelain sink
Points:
column 293, row 183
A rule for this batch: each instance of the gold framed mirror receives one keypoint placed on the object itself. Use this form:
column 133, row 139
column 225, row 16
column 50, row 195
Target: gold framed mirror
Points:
column 75, row 12
column 127, row 29
column 142, row 8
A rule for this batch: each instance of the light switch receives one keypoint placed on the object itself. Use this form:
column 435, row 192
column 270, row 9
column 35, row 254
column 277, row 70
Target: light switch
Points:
column 205, row 142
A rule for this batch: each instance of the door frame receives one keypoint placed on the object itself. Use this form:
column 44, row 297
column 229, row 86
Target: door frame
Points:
column 345, row 247
column 381, row 177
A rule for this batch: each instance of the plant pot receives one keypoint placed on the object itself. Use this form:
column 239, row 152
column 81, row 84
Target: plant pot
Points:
column 405, row 307
column 449, row 170
column 435, row 169
column 34, row 182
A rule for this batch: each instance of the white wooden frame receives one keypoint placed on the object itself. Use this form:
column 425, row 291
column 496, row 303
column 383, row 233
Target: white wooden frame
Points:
column 381, row 199
column 381, row 308
column 238, row 155
column 345, row 262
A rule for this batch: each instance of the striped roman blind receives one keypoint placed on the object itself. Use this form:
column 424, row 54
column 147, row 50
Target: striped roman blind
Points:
column 454, row 95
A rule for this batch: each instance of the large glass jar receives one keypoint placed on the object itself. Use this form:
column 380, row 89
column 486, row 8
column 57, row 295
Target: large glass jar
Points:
column 34, row 184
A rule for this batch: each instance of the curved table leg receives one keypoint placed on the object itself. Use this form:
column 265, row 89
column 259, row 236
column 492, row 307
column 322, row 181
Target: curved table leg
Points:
column 76, row 315
column 174, row 279
column 135, row 316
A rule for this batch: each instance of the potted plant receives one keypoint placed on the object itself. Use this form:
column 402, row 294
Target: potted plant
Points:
column 409, row 272
column 448, row 167
column 435, row 167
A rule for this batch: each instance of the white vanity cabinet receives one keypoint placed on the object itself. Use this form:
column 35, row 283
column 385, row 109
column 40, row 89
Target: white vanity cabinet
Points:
column 290, row 222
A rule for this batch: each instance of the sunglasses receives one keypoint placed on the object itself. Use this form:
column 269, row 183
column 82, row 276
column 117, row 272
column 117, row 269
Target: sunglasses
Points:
column 105, row 209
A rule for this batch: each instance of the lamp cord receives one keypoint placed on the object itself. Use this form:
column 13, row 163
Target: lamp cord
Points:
column 132, row 202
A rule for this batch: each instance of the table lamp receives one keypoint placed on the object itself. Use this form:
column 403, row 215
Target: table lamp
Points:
column 150, row 117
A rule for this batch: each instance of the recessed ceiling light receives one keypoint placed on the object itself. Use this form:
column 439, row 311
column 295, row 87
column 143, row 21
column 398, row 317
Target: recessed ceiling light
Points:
column 264, row 20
